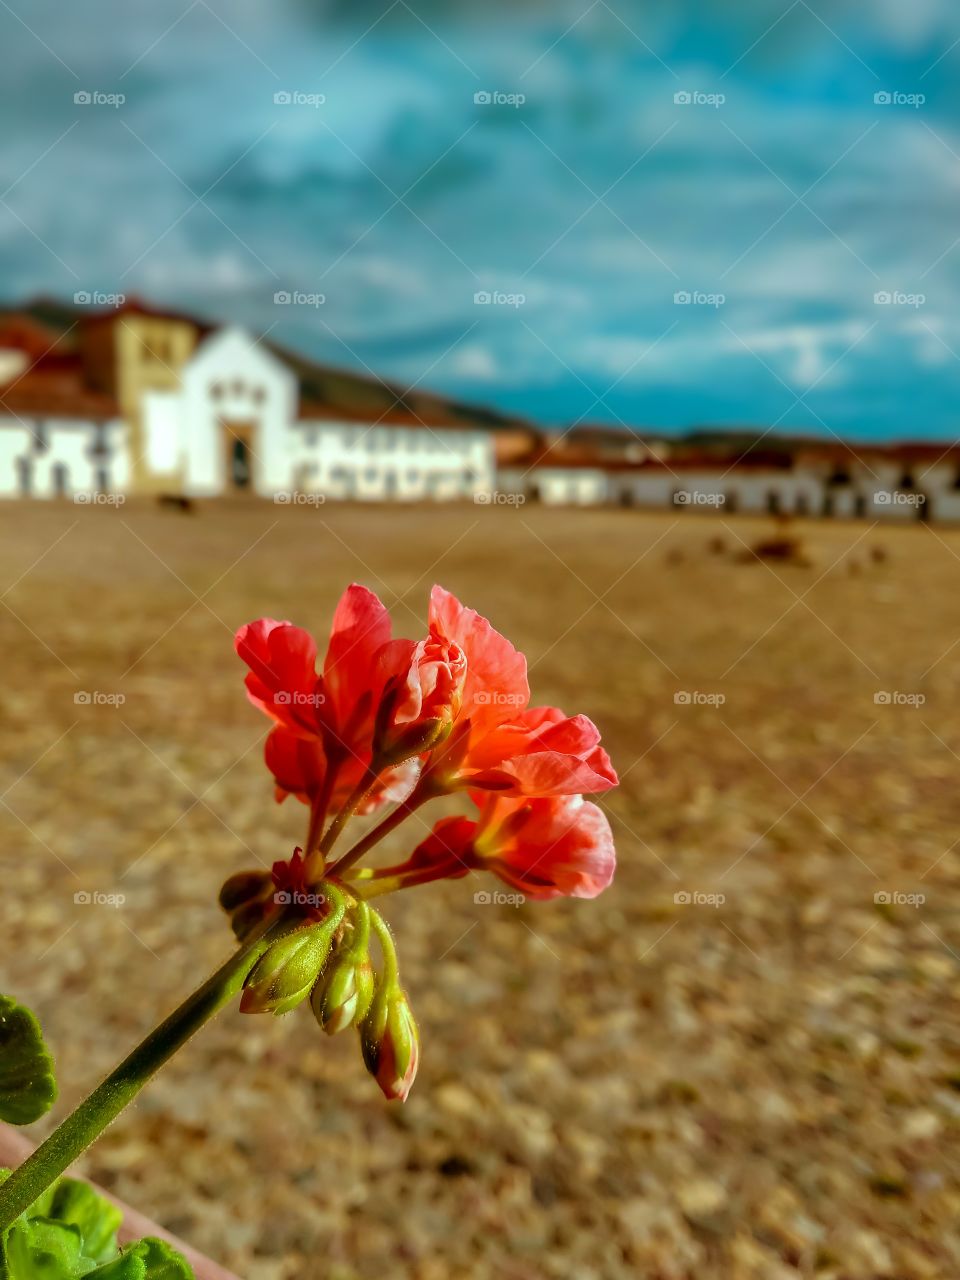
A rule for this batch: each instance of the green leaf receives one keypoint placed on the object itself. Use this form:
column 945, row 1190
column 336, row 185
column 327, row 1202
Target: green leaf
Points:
column 129, row 1266
column 71, row 1232
column 162, row 1262
column 77, row 1204
column 28, row 1088
column 44, row 1250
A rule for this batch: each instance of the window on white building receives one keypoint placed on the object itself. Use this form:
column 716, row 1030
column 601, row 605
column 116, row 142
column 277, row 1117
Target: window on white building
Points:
column 99, row 447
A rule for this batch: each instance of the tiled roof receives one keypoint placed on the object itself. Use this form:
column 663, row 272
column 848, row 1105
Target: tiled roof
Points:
column 54, row 395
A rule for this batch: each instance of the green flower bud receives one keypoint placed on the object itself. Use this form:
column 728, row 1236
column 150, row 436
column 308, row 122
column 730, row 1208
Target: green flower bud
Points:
column 390, row 1042
column 343, row 994
column 284, row 974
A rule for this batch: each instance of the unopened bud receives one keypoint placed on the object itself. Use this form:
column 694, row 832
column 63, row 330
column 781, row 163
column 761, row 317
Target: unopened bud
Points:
column 344, row 990
column 284, row 974
column 417, row 710
column 343, row 995
column 390, row 1042
column 247, row 897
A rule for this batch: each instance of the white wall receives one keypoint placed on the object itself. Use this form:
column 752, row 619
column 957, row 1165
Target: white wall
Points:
column 391, row 463
column 64, row 457
column 233, row 378
column 15, row 440
column 573, row 486
column 163, row 434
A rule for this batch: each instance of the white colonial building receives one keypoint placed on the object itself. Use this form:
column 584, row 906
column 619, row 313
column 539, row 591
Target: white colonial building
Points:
column 897, row 483
column 145, row 405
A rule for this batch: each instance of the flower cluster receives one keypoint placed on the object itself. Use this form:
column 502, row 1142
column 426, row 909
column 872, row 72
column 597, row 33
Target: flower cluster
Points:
column 389, row 721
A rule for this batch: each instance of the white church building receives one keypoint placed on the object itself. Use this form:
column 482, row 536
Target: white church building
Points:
column 236, row 422
column 142, row 404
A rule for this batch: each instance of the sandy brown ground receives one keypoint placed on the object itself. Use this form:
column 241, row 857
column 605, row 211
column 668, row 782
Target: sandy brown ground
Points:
column 768, row 1086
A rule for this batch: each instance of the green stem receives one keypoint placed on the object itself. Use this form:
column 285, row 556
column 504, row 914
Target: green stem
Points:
column 391, row 967
column 122, row 1085
column 318, row 811
column 316, row 862
column 369, row 887
column 389, row 823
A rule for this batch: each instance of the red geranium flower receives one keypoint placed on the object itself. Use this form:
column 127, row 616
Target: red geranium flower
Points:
column 547, row 847
column 499, row 743
column 282, row 680
column 325, row 721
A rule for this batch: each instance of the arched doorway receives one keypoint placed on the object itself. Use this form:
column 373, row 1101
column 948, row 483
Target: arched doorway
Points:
column 238, row 456
column 240, row 468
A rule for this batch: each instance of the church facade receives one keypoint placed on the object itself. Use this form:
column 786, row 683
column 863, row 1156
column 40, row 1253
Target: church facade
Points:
column 141, row 402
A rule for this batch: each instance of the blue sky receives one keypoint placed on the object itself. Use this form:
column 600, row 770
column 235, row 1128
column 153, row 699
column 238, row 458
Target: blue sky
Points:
column 783, row 198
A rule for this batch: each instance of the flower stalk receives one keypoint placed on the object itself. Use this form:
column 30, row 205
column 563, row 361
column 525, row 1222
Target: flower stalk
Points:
column 84, row 1125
